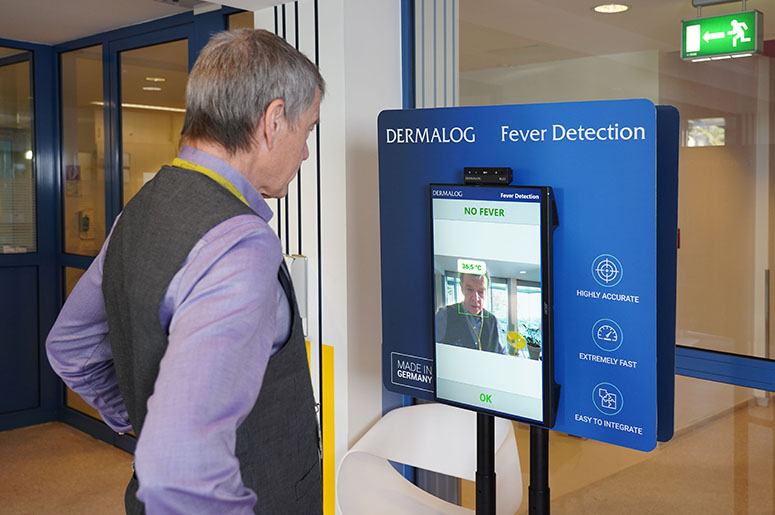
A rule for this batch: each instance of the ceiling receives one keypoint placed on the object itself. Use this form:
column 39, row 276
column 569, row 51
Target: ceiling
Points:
column 505, row 33
column 509, row 33
column 56, row 21
column 52, row 22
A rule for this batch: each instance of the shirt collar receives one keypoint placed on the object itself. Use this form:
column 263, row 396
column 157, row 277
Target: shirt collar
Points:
column 254, row 198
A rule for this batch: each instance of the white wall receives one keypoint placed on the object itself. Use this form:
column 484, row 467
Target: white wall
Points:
column 372, row 58
column 608, row 77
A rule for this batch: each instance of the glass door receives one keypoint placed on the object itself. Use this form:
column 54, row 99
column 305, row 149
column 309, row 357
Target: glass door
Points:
column 82, row 151
column 148, row 82
column 19, row 380
column 153, row 101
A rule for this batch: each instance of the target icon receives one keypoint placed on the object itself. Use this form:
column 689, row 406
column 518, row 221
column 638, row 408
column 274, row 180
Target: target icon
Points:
column 607, row 270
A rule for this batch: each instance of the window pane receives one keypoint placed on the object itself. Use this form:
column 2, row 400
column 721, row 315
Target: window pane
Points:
column 17, row 163
column 241, row 20
column 512, row 54
column 74, row 401
column 720, row 460
column 83, row 151
column 153, row 101
column 10, row 52
column 72, row 276
column 500, row 302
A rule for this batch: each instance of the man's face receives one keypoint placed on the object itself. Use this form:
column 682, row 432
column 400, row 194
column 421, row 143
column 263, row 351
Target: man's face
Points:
column 290, row 151
column 474, row 288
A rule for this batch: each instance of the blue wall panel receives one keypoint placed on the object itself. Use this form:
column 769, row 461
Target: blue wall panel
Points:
column 19, row 339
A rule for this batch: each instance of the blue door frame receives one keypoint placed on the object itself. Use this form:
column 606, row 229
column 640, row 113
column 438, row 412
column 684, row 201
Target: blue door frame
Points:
column 30, row 276
column 44, row 269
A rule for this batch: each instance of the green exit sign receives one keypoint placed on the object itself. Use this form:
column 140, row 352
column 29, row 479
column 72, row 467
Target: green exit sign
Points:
column 721, row 37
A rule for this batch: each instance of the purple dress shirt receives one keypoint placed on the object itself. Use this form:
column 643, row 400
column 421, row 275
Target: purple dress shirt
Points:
column 226, row 314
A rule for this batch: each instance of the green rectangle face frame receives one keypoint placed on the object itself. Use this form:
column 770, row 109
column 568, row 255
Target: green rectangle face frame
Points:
column 728, row 35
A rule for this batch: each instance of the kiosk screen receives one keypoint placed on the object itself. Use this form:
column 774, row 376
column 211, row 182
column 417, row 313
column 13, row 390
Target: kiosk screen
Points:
column 492, row 299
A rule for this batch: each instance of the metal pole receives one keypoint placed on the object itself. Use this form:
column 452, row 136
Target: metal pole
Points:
column 485, row 464
column 538, row 491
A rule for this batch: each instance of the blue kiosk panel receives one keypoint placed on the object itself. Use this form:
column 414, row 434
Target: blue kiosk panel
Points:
column 600, row 158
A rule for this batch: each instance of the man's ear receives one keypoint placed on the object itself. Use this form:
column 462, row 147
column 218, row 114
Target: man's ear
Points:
column 274, row 121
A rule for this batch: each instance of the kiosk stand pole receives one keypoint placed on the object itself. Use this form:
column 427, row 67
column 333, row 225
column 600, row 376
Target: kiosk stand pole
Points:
column 538, row 492
column 485, row 464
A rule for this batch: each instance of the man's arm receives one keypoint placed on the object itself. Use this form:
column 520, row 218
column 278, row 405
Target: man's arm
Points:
column 220, row 340
column 79, row 351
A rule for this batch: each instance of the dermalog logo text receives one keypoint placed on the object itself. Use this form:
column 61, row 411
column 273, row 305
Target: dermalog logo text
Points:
column 447, row 193
column 431, row 135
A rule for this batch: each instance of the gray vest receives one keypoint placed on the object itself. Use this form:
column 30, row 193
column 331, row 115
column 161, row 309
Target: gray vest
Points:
column 277, row 444
column 458, row 331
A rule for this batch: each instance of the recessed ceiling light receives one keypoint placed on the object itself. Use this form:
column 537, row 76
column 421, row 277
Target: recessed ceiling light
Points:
column 523, row 271
column 611, row 8
column 151, row 88
column 156, row 79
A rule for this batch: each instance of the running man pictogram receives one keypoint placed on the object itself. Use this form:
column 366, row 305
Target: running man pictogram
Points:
column 738, row 31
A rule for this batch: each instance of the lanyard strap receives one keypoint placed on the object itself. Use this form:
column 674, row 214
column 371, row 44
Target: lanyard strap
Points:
column 473, row 329
column 220, row 179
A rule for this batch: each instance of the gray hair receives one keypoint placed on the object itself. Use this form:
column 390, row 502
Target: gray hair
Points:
column 237, row 75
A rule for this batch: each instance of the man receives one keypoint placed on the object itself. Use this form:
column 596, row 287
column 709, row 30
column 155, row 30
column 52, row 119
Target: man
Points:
column 467, row 323
column 185, row 328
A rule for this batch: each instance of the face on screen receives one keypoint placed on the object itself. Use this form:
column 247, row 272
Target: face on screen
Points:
column 488, row 302
column 473, row 287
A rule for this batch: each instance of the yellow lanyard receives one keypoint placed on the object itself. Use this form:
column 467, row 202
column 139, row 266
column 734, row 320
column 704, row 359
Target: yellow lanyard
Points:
column 188, row 165
column 481, row 326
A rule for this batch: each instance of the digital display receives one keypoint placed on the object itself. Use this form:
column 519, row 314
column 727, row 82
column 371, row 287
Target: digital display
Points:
column 492, row 299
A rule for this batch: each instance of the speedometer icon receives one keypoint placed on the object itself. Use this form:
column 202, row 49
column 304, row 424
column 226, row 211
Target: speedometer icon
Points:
column 607, row 334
